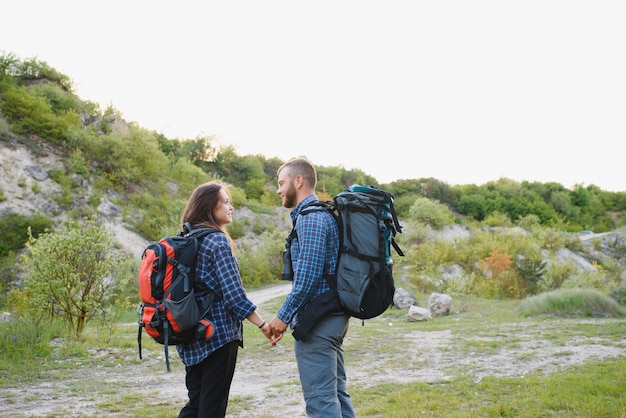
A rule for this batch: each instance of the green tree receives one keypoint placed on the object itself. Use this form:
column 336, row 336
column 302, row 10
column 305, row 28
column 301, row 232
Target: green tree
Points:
column 236, row 169
column 69, row 274
column 33, row 114
column 15, row 229
column 128, row 159
column 31, row 71
column 199, row 151
column 329, row 180
column 474, row 206
column 428, row 212
column 255, row 188
column 581, row 196
column 531, row 269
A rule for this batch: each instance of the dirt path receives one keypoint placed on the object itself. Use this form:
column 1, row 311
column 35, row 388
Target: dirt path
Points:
column 253, row 380
column 266, row 380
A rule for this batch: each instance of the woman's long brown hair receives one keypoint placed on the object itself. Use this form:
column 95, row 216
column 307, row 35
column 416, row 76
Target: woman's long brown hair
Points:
column 200, row 206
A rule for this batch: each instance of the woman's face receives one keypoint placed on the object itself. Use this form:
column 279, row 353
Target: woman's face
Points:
column 223, row 212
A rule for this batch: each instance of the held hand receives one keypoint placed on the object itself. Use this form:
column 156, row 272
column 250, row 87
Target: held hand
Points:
column 274, row 341
column 267, row 331
column 278, row 328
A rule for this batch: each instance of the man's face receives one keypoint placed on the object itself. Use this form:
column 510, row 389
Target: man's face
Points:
column 286, row 190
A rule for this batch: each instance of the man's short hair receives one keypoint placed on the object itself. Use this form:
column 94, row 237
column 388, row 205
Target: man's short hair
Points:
column 300, row 167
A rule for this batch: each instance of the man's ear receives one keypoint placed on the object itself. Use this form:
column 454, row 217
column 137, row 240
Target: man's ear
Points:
column 299, row 182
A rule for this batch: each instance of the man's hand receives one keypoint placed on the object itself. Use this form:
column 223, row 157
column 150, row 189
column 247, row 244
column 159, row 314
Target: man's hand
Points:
column 267, row 331
column 278, row 328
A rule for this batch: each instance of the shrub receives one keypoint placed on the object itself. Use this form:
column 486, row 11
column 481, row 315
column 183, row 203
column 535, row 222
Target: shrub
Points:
column 59, row 99
column 29, row 113
column 63, row 179
column 21, row 340
column 428, row 212
column 619, row 295
column 8, row 274
column 237, row 229
column 498, row 219
column 556, row 273
column 571, row 302
column 15, row 228
column 586, row 279
column 263, row 263
column 187, row 176
column 69, row 276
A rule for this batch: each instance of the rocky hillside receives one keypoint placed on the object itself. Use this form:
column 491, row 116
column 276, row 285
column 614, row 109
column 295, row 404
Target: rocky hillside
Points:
column 28, row 189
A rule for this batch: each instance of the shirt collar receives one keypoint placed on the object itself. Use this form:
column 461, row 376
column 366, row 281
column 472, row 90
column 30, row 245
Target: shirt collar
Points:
column 296, row 211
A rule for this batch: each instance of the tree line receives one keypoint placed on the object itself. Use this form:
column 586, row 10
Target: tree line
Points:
column 150, row 176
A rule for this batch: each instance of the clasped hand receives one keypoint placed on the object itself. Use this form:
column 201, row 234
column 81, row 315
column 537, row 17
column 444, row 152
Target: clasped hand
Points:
column 274, row 330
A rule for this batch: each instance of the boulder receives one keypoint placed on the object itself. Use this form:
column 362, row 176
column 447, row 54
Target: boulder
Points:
column 439, row 304
column 403, row 299
column 418, row 314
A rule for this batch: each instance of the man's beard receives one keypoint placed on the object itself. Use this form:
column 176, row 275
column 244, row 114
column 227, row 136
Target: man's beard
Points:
column 290, row 198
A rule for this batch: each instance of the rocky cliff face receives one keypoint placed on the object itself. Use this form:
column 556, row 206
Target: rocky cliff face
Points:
column 27, row 189
column 25, row 182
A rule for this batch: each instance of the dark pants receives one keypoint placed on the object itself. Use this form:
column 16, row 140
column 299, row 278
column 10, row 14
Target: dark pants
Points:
column 208, row 383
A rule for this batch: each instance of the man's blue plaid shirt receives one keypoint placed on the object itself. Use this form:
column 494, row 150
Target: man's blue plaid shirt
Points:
column 218, row 269
column 313, row 253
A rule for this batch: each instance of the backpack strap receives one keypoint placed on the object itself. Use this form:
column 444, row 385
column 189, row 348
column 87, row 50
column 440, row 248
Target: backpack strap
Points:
column 392, row 211
column 397, row 228
column 397, row 247
column 198, row 233
column 188, row 231
column 166, row 342
column 315, row 206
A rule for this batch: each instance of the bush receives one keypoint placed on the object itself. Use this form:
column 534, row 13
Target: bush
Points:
column 15, row 228
column 69, row 276
column 428, row 212
column 21, row 340
column 571, row 302
column 32, row 114
column 8, row 274
column 237, row 229
column 619, row 295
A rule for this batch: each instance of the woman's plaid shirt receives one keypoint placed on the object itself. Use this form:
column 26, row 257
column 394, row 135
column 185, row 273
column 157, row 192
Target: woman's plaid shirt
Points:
column 218, row 269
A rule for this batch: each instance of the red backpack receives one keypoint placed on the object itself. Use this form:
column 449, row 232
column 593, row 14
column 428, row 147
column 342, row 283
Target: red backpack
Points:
column 169, row 311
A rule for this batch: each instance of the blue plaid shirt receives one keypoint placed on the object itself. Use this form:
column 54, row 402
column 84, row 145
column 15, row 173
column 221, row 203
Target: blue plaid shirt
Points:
column 313, row 253
column 218, row 269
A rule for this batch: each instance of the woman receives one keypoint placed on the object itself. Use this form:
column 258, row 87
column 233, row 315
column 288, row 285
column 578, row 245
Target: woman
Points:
column 210, row 364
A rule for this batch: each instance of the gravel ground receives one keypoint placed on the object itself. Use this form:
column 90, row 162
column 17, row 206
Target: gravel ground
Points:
column 270, row 387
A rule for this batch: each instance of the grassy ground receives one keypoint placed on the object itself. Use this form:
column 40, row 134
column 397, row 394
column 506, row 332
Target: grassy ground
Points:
column 482, row 360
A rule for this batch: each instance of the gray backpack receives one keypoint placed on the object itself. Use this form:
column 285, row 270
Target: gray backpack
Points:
column 368, row 224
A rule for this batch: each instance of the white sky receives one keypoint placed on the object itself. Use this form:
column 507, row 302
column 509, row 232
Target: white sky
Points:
column 462, row 91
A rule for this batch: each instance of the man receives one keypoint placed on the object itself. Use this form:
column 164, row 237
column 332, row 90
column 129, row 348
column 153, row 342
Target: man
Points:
column 314, row 253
